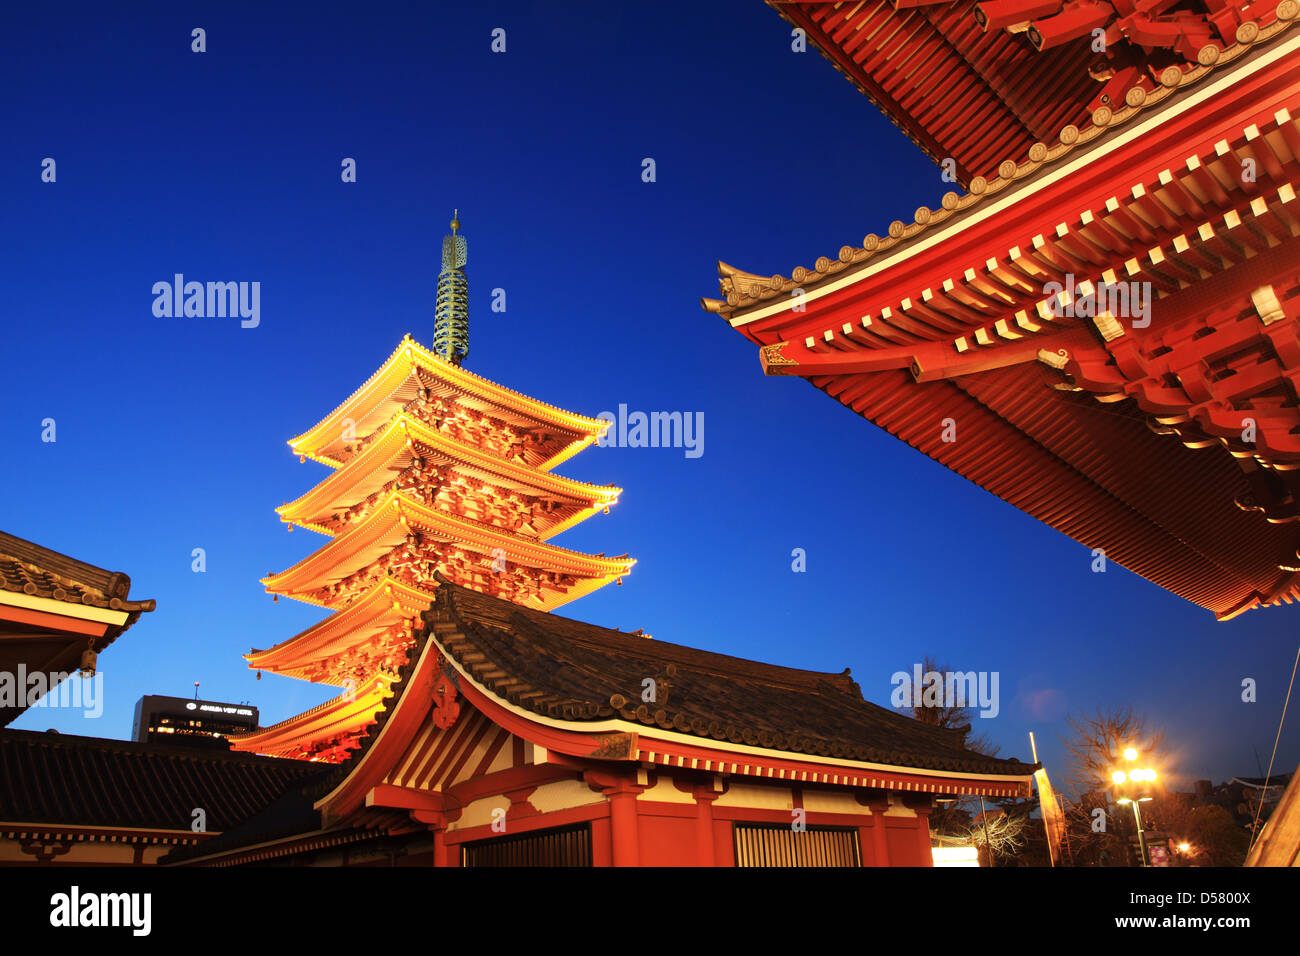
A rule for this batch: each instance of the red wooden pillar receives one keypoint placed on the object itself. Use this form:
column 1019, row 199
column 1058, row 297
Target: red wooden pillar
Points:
column 878, row 840
column 921, row 806
column 624, row 837
column 436, row 821
column 621, row 790
column 439, row 846
column 923, row 836
column 705, row 852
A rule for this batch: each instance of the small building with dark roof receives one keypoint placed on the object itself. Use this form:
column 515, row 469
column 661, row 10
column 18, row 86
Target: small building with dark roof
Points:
column 89, row 801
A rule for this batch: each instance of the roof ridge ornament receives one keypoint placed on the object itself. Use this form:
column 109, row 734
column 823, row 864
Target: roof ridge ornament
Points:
column 451, row 312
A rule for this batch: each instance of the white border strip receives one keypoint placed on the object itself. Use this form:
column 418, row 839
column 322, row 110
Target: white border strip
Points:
column 85, row 612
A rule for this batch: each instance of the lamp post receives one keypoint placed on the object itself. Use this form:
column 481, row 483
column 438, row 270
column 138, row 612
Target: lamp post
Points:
column 1132, row 787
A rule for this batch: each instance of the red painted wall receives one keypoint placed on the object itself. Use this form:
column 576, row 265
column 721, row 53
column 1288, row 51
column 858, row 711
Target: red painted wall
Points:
column 668, row 840
column 678, row 834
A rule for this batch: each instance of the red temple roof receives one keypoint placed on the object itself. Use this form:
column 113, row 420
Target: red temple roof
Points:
column 1171, row 445
column 587, row 679
column 956, row 90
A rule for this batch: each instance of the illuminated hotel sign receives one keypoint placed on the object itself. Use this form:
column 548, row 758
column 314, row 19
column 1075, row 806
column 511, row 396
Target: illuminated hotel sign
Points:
column 198, row 723
column 220, row 709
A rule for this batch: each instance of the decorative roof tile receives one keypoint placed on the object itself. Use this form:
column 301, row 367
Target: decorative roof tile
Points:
column 28, row 568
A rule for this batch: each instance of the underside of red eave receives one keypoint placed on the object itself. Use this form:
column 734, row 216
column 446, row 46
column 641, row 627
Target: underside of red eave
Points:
column 1093, row 472
column 41, row 642
column 1081, row 449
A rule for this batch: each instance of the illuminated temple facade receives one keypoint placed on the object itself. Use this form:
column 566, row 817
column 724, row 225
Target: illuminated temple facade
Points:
column 1098, row 321
column 436, row 471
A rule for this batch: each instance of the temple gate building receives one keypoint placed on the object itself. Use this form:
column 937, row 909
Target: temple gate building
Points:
column 514, row 736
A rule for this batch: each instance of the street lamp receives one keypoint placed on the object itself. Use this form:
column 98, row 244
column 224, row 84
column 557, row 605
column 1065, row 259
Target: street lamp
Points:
column 1132, row 787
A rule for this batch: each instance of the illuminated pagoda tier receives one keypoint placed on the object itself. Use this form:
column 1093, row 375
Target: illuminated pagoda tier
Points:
column 436, row 471
column 974, row 332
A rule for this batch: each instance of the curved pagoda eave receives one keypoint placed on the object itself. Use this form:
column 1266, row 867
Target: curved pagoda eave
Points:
column 750, row 296
column 397, row 382
column 388, row 526
column 387, row 604
column 339, row 717
column 993, row 85
column 405, row 437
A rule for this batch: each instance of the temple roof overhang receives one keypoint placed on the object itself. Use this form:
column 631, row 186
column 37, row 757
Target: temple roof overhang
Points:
column 1149, row 164
column 404, row 439
column 1104, row 426
column 86, row 787
column 412, row 369
column 53, row 608
column 484, row 672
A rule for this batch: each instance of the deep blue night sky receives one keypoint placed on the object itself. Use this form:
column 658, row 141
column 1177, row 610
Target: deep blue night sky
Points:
column 225, row 166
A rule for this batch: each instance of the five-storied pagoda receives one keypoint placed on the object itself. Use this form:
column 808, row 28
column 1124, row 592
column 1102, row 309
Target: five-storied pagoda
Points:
column 436, row 471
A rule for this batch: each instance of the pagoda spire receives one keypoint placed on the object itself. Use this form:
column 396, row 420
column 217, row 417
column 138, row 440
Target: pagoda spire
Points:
column 451, row 314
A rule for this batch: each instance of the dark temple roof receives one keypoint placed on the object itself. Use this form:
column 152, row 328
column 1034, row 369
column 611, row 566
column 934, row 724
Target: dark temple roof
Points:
column 566, row 669
column 50, row 778
column 31, row 569
column 48, row 646
column 290, row 814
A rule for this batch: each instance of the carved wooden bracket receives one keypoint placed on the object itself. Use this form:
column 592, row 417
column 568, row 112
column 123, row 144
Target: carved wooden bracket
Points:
column 446, row 697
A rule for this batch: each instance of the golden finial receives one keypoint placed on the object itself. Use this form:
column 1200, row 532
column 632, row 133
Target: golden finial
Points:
column 455, row 220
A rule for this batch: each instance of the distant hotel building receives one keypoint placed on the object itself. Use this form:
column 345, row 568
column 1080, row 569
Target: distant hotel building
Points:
column 190, row 723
